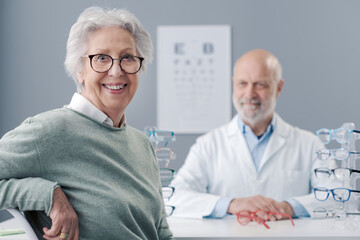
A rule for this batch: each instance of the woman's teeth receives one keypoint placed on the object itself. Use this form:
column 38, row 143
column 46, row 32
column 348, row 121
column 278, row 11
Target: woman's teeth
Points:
column 115, row 87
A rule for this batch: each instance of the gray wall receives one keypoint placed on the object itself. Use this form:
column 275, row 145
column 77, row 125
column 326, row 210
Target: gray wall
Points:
column 317, row 42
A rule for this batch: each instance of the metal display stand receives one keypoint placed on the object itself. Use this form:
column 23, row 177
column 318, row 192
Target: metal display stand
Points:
column 160, row 139
column 353, row 205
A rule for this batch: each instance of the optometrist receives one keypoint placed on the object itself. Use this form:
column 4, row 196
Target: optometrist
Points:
column 257, row 161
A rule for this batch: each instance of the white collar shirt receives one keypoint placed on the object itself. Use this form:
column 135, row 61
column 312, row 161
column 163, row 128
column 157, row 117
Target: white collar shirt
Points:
column 80, row 104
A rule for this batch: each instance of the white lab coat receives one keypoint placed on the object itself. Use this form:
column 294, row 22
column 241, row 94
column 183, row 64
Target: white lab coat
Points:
column 220, row 164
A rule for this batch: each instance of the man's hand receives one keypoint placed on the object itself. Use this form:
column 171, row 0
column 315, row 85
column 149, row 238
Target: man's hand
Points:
column 260, row 202
column 286, row 208
column 64, row 219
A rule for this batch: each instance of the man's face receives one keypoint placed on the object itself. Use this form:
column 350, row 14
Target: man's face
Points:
column 254, row 90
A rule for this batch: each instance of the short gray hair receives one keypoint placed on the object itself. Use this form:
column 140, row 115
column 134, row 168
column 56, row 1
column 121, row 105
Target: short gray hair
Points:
column 94, row 18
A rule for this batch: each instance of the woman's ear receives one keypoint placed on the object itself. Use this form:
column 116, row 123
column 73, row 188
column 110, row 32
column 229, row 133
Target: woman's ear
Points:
column 80, row 77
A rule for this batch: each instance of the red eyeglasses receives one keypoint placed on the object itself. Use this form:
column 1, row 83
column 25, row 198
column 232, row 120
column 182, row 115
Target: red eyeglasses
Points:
column 260, row 216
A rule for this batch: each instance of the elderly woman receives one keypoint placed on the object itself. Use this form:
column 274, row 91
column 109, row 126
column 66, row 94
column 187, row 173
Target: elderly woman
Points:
column 81, row 171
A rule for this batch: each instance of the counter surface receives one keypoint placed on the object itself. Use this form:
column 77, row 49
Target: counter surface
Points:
column 228, row 227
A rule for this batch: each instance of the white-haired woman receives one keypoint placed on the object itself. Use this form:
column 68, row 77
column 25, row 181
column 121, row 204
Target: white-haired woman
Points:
column 81, row 171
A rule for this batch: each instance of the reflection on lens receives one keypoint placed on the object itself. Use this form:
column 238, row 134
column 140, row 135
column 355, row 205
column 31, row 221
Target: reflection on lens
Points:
column 342, row 174
column 341, row 154
column 341, row 194
column 342, row 135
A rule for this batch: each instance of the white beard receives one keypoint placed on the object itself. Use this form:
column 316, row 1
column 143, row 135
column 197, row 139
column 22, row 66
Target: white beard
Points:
column 266, row 108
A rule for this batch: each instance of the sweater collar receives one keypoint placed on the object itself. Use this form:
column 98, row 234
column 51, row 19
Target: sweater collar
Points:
column 80, row 104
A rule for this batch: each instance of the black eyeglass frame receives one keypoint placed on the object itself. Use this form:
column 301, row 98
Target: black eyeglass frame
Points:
column 332, row 171
column 112, row 62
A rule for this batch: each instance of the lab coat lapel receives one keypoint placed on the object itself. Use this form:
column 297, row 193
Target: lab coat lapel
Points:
column 240, row 147
column 277, row 140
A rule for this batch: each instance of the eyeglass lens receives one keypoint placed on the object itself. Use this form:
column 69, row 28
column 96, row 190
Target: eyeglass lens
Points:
column 166, row 174
column 164, row 153
column 102, row 63
column 169, row 209
column 244, row 217
column 320, row 212
column 164, row 135
column 341, row 194
column 167, row 192
column 321, row 194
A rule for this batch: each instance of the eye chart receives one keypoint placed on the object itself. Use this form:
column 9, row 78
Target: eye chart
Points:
column 194, row 78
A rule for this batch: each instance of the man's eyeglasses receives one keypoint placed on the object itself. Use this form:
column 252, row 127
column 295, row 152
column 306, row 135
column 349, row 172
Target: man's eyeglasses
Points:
column 338, row 214
column 339, row 173
column 339, row 194
column 166, row 174
column 341, row 135
column 340, row 154
column 164, row 155
column 102, row 63
column 260, row 216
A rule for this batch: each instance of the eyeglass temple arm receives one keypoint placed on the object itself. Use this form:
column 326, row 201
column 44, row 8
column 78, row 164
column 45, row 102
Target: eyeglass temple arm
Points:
column 262, row 221
column 352, row 213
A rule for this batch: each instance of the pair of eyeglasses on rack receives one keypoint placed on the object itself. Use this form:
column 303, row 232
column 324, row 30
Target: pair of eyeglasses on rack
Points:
column 340, row 154
column 259, row 216
column 338, row 213
column 339, row 173
column 168, row 192
column 160, row 135
column 341, row 135
column 169, row 210
column 339, row 194
column 164, row 156
column 166, row 174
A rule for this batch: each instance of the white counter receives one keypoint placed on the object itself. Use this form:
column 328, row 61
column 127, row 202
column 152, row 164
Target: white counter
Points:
column 18, row 221
column 230, row 228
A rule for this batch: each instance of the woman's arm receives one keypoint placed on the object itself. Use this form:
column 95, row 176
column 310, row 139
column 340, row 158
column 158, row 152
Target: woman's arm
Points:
column 21, row 182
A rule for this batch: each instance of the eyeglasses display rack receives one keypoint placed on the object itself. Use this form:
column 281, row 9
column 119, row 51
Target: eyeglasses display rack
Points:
column 346, row 176
column 160, row 139
column 353, row 182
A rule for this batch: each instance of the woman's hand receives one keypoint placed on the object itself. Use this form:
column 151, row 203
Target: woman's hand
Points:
column 64, row 219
